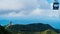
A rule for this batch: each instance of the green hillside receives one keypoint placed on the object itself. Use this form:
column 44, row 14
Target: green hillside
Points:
column 35, row 27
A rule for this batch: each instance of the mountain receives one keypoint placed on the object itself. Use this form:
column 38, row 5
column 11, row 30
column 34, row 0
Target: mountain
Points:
column 35, row 27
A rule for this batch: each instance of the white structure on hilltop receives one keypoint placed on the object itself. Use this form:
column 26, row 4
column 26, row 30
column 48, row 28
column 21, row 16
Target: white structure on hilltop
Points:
column 10, row 24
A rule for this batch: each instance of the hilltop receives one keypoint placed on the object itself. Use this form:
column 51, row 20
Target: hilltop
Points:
column 35, row 27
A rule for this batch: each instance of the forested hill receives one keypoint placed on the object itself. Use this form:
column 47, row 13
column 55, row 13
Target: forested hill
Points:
column 35, row 27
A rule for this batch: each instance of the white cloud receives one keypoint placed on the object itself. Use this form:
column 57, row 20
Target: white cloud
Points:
column 22, row 4
column 44, row 4
column 41, row 8
column 16, row 4
column 35, row 13
column 9, row 4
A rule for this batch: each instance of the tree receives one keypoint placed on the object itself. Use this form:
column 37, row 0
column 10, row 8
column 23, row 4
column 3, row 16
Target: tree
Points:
column 4, row 31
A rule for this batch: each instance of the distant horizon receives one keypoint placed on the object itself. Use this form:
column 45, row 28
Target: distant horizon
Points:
column 27, row 23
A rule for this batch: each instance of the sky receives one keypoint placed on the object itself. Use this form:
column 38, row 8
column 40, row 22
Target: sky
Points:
column 29, row 11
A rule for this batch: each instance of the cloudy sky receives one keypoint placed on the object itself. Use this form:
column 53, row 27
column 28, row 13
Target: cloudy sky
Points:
column 29, row 11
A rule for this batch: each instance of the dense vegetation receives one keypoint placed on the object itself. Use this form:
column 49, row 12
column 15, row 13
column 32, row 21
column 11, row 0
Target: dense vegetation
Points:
column 26, row 29
column 36, row 27
column 4, row 31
